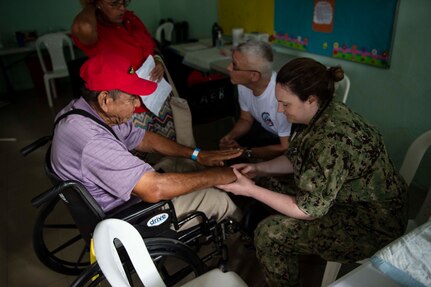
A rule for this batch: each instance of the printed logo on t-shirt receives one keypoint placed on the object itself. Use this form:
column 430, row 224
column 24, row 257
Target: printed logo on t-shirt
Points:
column 267, row 119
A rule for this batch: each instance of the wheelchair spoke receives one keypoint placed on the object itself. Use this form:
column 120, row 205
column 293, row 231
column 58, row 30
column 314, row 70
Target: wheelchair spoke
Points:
column 57, row 241
column 60, row 226
column 75, row 263
column 66, row 244
column 81, row 257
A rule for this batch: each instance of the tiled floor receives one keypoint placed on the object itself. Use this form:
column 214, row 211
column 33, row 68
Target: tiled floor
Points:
column 27, row 118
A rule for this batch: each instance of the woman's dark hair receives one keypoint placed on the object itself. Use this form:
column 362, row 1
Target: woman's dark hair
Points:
column 306, row 77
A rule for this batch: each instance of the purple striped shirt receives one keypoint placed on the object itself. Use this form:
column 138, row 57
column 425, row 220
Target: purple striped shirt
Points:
column 87, row 152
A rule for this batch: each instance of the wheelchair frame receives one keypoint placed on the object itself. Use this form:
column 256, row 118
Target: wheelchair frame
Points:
column 86, row 213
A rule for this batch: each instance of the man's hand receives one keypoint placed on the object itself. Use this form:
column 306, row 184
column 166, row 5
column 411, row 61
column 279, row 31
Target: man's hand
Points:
column 242, row 186
column 224, row 175
column 157, row 73
column 227, row 142
column 217, row 157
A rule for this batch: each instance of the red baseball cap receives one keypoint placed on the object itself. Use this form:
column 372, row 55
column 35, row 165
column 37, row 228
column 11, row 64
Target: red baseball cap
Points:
column 110, row 71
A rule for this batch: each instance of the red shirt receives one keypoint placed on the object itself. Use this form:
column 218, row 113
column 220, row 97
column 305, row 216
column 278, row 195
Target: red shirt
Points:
column 132, row 39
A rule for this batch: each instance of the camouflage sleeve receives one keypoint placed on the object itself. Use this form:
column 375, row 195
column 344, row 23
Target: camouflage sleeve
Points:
column 321, row 177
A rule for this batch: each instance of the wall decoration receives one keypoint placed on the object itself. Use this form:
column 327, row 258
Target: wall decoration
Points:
column 323, row 15
column 354, row 30
column 253, row 15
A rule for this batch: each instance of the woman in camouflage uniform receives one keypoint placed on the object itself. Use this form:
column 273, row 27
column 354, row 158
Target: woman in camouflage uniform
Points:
column 347, row 200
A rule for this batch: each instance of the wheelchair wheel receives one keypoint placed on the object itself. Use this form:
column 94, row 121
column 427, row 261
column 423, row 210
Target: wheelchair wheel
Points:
column 176, row 262
column 57, row 241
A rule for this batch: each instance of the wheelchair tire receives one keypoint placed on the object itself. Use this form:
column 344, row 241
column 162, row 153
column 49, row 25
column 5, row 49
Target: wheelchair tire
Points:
column 67, row 256
column 174, row 260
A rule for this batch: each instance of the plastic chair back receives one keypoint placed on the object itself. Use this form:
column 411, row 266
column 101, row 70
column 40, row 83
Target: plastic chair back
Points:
column 342, row 88
column 109, row 231
column 54, row 43
column 164, row 32
column 408, row 170
column 109, row 261
column 414, row 156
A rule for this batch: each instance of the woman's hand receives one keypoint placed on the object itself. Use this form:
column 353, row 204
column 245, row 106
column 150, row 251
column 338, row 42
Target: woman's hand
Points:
column 217, row 157
column 247, row 169
column 242, row 186
column 157, row 73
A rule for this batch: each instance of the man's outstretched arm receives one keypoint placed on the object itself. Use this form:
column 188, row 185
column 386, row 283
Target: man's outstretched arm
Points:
column 155, row 186
column 158, row 144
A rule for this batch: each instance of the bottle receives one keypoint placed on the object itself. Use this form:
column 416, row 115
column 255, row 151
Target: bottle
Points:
column 214, row 33
column 219, row 41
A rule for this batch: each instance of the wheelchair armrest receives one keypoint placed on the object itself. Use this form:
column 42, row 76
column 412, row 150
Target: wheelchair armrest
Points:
column 46, row 196
column 35, row 145
column 54, row 192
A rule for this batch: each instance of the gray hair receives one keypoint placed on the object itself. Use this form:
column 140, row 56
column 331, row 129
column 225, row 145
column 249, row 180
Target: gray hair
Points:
column 91, row 96
column 259, row 54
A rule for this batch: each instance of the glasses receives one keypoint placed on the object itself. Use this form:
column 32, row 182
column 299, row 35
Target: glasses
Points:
column 236, row 69
column 118, row 3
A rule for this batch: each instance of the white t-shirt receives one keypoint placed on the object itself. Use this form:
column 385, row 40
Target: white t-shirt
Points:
column 263, row 108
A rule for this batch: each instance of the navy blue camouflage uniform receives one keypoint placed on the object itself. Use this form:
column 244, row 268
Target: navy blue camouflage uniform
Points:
column 344, row 179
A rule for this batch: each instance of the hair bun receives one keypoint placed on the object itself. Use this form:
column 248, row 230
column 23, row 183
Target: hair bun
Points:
column 336, row 73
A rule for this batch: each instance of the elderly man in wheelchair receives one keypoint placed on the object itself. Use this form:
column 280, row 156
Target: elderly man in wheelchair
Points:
column 85, row 150
column 90, row 154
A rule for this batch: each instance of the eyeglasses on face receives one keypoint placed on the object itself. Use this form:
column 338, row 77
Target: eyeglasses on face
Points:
column 117, row 3
column 236, row 69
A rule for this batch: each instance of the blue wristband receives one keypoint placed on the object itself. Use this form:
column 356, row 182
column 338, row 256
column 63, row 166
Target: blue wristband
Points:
column 195, row 153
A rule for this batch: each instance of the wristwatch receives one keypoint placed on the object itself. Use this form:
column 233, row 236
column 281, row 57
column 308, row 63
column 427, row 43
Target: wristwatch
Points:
column 248, row 153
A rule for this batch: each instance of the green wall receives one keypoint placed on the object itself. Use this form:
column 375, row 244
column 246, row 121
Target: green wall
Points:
column 49, row 16
column 396, row 100
column 200, row 14
column 53, row 15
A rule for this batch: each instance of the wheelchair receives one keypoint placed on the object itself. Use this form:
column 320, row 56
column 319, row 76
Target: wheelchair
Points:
column 156, row 222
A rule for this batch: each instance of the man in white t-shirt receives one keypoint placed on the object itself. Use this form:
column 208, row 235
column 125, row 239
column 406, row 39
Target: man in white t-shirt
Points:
column 261, row 130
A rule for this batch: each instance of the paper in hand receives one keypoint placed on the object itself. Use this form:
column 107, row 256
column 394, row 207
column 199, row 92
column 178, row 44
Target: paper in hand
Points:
column 154, row 101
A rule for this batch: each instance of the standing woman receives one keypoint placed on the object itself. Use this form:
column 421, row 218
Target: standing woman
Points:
column 108, row 25
column 346, row 201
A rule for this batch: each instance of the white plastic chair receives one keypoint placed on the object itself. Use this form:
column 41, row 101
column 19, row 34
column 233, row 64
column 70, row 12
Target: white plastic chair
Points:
column 110, row 264
column 54, row 43
column 408, row 169
column 165, row 29
column 342, row 88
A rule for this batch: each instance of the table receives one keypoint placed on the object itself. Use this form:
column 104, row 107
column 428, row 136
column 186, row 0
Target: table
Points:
column 201, row 54
column 182, row 49
column 220, row 65
column 203, row 57
column 365, row 275
column 27, row 50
